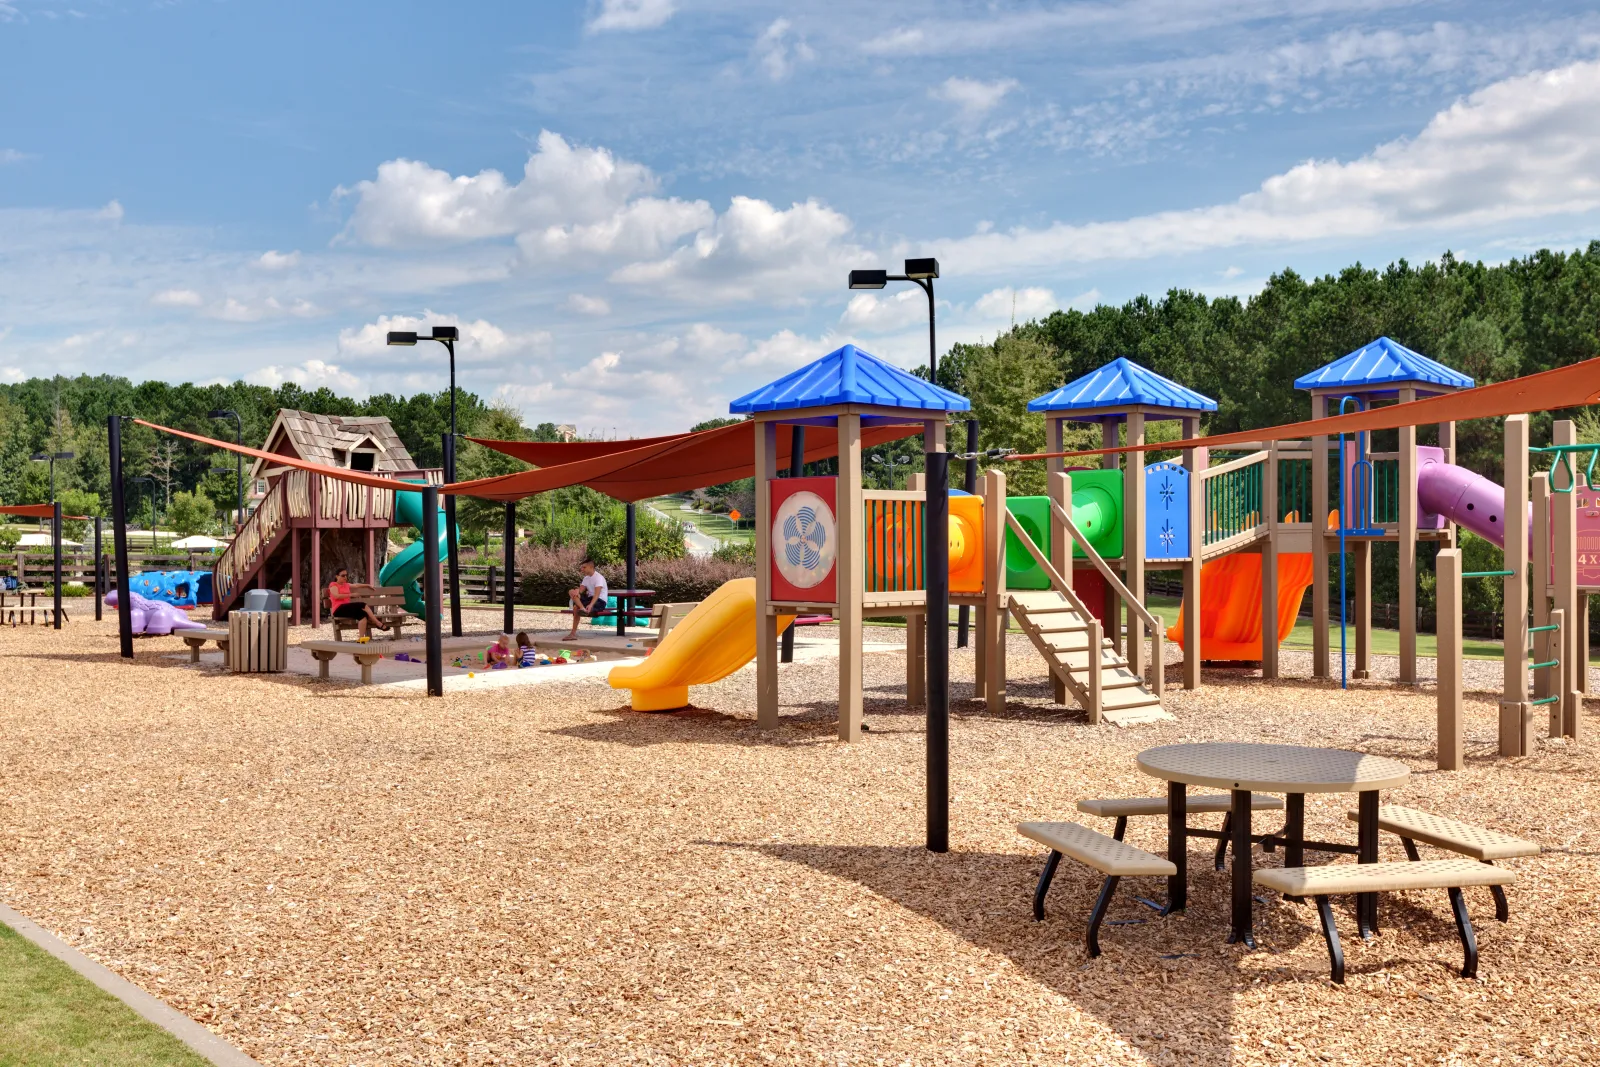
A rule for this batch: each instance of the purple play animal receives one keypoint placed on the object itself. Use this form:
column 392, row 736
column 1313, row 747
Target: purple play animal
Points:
column 155, row 616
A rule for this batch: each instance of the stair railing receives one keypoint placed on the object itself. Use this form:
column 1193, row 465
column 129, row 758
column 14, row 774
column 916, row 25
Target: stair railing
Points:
column 241, row 557
column 1157, row 627
column 1096, row 636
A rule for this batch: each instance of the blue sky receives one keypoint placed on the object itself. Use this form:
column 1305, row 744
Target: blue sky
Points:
column 639, row 209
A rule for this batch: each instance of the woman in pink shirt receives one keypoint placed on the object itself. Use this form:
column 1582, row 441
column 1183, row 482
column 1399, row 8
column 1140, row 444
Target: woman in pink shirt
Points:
column 340, row 599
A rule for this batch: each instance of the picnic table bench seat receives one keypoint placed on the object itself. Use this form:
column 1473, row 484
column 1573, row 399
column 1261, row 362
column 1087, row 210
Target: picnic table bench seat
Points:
column 1340, row 879
column 196, row 640
column 1123, row 808
column 1476, row 842
column 388, row 602
column 1113, row 858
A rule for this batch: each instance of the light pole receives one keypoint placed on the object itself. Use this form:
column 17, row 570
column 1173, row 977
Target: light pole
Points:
column 447, row 336
column 226, row 470
column 921, row 271
column 51, row 457
column 152, row 483
column 238, row 460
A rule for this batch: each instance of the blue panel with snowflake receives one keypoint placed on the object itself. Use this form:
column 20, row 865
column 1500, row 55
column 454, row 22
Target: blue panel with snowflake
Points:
column 1166, row 503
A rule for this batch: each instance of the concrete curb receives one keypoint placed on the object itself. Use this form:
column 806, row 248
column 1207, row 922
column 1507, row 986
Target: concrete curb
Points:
column 200, row 1040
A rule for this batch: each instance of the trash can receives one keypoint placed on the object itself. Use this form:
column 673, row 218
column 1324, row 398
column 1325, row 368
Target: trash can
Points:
column 262, row 600
column 258, row 641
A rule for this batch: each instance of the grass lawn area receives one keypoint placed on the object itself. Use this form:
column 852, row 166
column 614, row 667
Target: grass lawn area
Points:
column 719, row 526
column 49, row 1016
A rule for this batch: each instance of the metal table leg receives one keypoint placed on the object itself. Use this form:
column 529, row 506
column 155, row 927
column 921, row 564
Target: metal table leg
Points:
column 1294, row 833
column 1177, row 847
column 1367, row 846
column 1242, row 902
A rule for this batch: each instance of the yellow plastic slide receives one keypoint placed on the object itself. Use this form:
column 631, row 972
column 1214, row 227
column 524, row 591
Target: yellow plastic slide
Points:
column 714, row 640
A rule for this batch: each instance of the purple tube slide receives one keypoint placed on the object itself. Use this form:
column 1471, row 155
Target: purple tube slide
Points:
column 1446, row 492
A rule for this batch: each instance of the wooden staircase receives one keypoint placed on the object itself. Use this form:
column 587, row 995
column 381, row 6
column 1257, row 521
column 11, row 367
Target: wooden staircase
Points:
column 1062, row 633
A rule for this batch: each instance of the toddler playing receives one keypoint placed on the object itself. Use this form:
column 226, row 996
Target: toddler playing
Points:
column 529, row 656
column 501, row 653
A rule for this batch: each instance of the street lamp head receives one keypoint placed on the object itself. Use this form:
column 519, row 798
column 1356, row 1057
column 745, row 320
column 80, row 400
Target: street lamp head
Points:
column 221, row 470
column 402, row 337
column 869, row 279
column 445, row 333
column 40, row 456
column 922, row 269
column 222, row 413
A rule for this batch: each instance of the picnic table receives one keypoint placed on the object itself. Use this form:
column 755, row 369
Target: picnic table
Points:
column 623, row 610
column 1292, row 770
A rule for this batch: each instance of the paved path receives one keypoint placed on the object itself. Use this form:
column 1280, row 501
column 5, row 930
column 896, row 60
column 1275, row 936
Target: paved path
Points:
column 699, row 544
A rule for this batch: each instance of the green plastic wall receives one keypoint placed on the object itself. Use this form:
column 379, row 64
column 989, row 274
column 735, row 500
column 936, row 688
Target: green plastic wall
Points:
column 1096, row 508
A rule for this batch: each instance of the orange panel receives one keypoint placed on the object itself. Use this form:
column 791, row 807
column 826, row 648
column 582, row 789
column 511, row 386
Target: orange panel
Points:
column 966, row 544
column 1230, row 604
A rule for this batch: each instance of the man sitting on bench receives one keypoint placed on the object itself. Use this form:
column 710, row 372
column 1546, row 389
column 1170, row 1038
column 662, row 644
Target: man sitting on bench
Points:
column 340, row 594
column 587, row 599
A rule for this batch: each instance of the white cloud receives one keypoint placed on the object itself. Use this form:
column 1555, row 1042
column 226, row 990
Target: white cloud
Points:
column 645, row 227
column 973, row 99
column 1016, row 305
column 1521, row 148
column 631, row 15
column 11, row 155
column 13, row 374
column 879, row 314
column 233, row 309
column 112, row 212
column 779, row 53
column 177, row 298
column 480, row 341
column 312, row 374
column 588, row 305
column 272, row 259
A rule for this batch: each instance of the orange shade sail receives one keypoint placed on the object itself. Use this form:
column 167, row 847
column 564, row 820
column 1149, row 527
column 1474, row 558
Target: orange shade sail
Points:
column 354, row 477
column 35, row 511
column 1564, row 387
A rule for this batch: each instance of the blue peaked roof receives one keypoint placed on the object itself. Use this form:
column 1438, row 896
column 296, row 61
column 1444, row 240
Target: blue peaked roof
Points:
column 849, row 376
column 1382, row 362
column 1122, row 383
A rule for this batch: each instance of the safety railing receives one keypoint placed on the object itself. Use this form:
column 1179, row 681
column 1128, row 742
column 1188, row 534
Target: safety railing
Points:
column 1133, row 604
column 241, row 557
column 1232, row 501
column 894, row 535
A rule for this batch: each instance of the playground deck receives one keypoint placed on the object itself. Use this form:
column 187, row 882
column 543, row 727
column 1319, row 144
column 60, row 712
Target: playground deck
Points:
column 327, row 874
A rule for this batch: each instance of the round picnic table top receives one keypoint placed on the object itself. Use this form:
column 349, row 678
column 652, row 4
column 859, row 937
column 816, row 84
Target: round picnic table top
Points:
column 1273, row 768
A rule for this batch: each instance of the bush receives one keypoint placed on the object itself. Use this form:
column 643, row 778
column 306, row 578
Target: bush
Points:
column 9, row 536
column 740, row 552
column 545, row 575
column 68, row 591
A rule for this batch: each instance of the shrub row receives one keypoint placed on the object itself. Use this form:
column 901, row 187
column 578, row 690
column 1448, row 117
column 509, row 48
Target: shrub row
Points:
column 545, row 574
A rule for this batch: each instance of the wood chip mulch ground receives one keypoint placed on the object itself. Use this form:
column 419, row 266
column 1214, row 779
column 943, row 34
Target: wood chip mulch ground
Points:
column 330, row 875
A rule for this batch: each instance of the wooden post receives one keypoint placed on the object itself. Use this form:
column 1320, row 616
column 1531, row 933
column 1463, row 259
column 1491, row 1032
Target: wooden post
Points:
column 766, row 453
column 1516, row 720
column 1447, row 590
column 1447, row 442
column 917, row 630
column 1194, row 461
column 1058, row 487
column 1564, row 520
column 1319, row 543
column 372, row 542
column 1112, row 606
column 1269, row 566
column 1546, row 680
column 295, row 594
column 848, row 568
column 1361, row 559
column 1133, row 512
column 996, row 613
column 316, row 552
column 1581, row 628
column 1408, row 546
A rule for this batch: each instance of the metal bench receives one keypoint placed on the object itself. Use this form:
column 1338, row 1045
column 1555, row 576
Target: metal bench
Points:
column 1113, row 858
column 1124, row 808
column 196, row 640
column 1342, row 879
column 1475, row 842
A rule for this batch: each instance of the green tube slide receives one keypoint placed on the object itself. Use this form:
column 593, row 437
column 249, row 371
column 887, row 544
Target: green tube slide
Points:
column 1096, row 509
column 405, row 569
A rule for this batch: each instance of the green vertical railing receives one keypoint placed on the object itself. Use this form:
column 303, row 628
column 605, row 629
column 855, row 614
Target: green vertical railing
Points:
column 894, row 545
column 1233, row 503
column 1294, row 489
column 1385, row 492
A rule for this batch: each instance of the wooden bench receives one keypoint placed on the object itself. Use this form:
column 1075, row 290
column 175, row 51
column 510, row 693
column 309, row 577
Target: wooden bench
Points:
column 1123, row 808
column 364, row 654
column 388, row 602
column 196, row 640
column 1345, row 878
column 1475, row 842
column 663, row 617
column 1114, row 858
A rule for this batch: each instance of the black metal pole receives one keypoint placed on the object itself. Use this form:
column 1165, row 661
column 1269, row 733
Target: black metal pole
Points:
column 964, row 616
column 238, row 474
column 797, row 467
column 119, row 536
column 937, row 552
column 432, row 593
column 933, row 358
column 56, row 519
column 508, row 586
column 450, row 513
column 631, row 564
column 99, row 571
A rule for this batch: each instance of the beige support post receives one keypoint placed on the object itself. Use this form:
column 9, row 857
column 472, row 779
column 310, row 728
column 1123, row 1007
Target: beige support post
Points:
column 1058, row 487
column 1582, row 630
column 852, row 547
column 1516, row 719
column 996, row 615
column 917, row 630
column 1361, row 620
column 766, row 459
column 1545, row 647
column 1194, row 461
column 1447, row 442
column 1112, row 607
column 1447, row 586
column 1564, row 521
column 1269, row 566
column 1091, row 679
column 1319, row 544
column 1133, row 520
column 1408, row 546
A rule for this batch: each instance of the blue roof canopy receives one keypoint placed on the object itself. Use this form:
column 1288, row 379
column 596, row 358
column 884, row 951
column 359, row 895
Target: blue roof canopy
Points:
column 1122, row 383
column 1383, row 362
column 849, row 376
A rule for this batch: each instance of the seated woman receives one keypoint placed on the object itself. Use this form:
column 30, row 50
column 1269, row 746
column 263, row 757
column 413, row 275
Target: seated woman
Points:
column 340, row 599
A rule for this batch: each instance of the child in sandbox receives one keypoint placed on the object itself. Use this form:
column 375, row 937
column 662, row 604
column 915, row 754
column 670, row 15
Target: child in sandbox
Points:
column 503, row 653
column 588, row 598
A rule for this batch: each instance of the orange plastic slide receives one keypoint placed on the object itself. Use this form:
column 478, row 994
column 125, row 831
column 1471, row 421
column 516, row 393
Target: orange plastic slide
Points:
column 1230, row 604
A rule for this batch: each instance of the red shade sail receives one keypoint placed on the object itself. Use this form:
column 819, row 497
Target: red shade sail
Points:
column 1564, row 387
column 35, row 511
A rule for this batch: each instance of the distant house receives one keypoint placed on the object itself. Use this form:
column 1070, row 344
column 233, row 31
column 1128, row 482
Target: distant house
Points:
column 359, row 442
